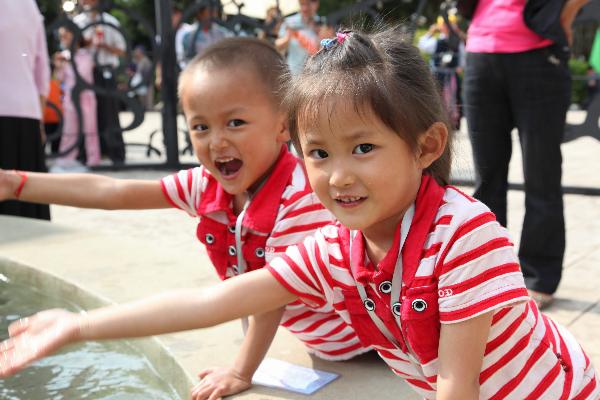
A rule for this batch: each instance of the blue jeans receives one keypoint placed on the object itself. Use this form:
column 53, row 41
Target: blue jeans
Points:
column 529, row 91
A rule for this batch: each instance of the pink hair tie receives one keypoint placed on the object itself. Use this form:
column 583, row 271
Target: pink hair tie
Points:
column 341, row 36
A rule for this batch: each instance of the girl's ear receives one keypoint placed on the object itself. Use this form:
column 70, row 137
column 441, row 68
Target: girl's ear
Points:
column 283, row 133
column 432, row 144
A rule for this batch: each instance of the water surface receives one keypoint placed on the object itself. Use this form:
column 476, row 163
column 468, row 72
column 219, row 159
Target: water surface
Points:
column 94, row 370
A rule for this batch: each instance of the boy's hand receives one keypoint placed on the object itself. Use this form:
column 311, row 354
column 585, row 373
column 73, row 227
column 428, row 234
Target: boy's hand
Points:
column 9, row 182
column 219, row 382
column 36, row 337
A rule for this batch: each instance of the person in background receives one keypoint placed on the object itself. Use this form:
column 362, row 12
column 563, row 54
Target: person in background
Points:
column 100, row 30
column 517, row 76
column 74, row 55
column 53, row 114
column 299, row 35
column 24, row 86
column 203, row 33
column 181, row 28
column 141, row 81
column 444, row 42
column 273, row 21
column 591, row 85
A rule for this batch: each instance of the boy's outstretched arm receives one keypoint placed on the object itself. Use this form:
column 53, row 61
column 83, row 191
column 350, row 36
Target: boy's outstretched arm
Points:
column 225, row 381
column 81, row 190
column 38, row 336
column 460, row 352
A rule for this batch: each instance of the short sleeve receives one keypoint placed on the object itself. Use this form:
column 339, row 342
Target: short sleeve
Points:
column 299, row 272
column 297, row 220
column 479, row 272
column 184, row 189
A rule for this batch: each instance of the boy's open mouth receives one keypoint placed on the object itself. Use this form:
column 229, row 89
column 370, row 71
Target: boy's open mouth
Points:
column 228, row 166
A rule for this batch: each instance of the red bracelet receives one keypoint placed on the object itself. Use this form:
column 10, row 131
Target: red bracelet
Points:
column 24, row 177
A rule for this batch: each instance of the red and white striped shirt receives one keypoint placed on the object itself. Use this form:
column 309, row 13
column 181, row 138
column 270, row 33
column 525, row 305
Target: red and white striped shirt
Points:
column 282, row 213
column 464, row 266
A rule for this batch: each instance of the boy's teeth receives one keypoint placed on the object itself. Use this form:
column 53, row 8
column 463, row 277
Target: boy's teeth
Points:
column 349, row 199
column 224, row 160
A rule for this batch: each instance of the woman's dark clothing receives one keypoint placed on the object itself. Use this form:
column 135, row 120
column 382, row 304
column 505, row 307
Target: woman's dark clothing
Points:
column 21, row 148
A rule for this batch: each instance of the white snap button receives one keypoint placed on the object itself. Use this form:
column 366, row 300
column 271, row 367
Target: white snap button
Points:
column 419, row 305
column 369, row 304
column 385, row 287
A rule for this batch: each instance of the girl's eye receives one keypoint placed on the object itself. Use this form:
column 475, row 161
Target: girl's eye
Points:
column 235, row 123
column 363, row 148
column 318, row 154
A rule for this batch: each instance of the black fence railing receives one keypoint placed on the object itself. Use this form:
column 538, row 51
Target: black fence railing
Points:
column 161, row 34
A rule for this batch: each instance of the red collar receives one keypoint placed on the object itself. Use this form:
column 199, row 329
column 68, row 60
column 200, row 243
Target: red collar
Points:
column 262, row 211
column 427, row 203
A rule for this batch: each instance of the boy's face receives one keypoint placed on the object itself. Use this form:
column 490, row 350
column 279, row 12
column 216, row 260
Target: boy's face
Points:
column 235, row 129
column 361, row 170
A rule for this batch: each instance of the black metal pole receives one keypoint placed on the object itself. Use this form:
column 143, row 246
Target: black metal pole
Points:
column 166, row 42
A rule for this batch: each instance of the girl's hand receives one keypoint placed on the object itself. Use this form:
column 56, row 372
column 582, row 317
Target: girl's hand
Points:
column 36, row 337
column 9, row 182
column 219, row 382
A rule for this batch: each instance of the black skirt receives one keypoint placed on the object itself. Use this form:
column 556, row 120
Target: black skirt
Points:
column 21, row 148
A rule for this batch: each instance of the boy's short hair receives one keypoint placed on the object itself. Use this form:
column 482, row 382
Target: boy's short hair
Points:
column 244, row 52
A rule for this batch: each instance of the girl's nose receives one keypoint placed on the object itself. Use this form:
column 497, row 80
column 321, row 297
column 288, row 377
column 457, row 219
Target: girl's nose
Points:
column 341, row 177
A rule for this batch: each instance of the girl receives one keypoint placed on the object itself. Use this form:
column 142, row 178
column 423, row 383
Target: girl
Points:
column 422, row 272
column 251, row 195
column 68, row 66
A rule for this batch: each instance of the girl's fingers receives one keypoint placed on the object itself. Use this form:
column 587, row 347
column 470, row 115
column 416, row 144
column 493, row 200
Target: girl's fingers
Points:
column 19, row 326
column 15, row 355
column 6, row 345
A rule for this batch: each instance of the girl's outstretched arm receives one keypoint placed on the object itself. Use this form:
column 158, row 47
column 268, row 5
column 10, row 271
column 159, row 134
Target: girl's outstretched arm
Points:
column 38, row 336
column 81, row 190
column 460, row 352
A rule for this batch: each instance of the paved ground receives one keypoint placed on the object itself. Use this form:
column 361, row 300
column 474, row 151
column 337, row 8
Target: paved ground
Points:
column 577, row 307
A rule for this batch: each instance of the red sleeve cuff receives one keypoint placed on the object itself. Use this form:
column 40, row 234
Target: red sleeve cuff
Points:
column 501, row 300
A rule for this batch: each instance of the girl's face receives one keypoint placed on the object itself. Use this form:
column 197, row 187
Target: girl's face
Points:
column 360, row 169
column 236, row 130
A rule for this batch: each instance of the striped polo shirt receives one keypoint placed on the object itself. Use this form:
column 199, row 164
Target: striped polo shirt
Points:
column 282, row 213
column 467, row 265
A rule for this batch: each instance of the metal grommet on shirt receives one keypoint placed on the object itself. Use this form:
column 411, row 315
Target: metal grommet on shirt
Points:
column 231, row 228
column 210, row 239
column 235, row 269
column 369, row 304
column 419, row 305
column 385, row 287
column 397, row 308
column 260, row 252
column 231, row 250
